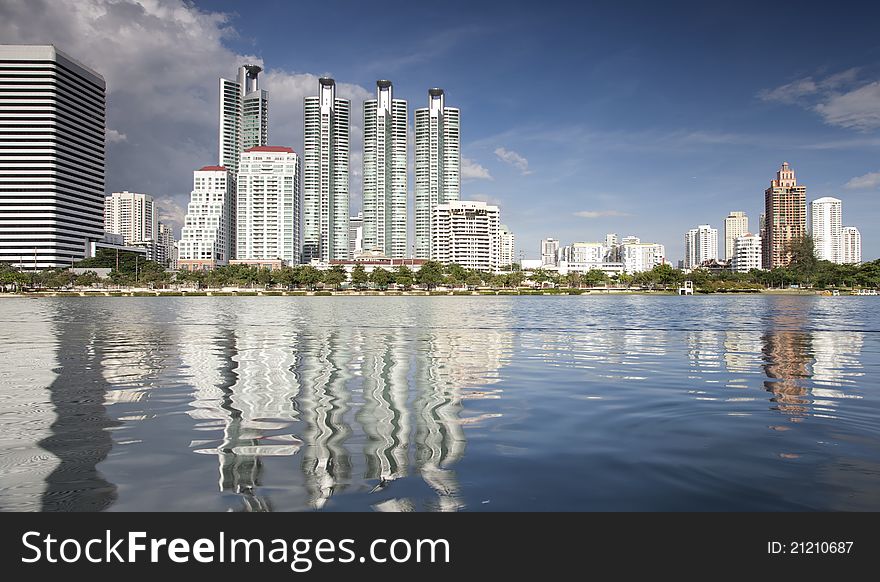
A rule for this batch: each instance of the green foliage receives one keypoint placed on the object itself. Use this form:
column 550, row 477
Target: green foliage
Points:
column 359, row 277
column 381, row 278
column 335, row 277
column 430, row 274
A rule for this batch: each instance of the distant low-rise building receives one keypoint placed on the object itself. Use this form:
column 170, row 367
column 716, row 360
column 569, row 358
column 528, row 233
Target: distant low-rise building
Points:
column 638, row 256
column 507, row 247
column 549, row 252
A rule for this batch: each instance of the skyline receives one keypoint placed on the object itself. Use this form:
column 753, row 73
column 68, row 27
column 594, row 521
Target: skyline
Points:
column 636, row 133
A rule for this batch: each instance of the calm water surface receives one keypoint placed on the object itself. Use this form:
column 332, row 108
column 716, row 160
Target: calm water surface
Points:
column 440, row 403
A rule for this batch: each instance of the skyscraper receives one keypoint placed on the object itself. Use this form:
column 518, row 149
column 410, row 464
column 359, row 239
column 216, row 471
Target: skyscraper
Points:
column 356, row 235
column 244, row 116
column 467, row 233
column 207, row 234
column 700, row 245
column 52, row 157
column 267, row 205
column 735, row 225
column 327, row 128
column 384, row 173
column 166, row 247
column 826, row 222
column 785, row 217
column 437, row 165
column 851, row 245
column 134, row 216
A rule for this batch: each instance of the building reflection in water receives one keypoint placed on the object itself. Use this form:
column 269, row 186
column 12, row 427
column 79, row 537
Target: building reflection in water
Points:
column 79, row 436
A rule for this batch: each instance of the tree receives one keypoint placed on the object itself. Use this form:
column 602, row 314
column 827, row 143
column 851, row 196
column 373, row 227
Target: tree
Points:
column 473, row 279
column 381, row 278
column 404, row 277
column 430, row 274
column 309, row 276
column 802, row 258
column 539, row 276
column 456, row 274
column 359, row 277
column 335, row 277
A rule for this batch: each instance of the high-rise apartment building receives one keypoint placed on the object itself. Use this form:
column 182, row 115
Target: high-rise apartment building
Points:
column 384, row 173
column 52, row 123
column 267, row 205
column 785, row 217
column 826, row 223
column 134, row 216
column 244, row 116
column 166, row 247
column 207, row 234
column 735, row 225
column 356, row 235
column 851, row 245
column 700, row 245
column 327, row 131
column 437, row 165
column 467, row 233
column 747, row 252
column 549, row 252
column 507, row 247
column 638, row 256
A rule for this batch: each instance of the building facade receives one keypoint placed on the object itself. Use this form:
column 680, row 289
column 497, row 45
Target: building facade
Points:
column 638, row 256
column 467, row 233
column 207, row 233
column 385, row 173
column 550, row 252
column 244, row 116
column 134, row 216
column 437, row 165
column 326, row 153
column 747, row 253
column 267, row 205
column 700, row 245
column 52, row 157
column 785, row 217
column 735, row 225
column 166, row 247
column 826, row 223
column 507, row 247
column 851, row 246
column 356, row 235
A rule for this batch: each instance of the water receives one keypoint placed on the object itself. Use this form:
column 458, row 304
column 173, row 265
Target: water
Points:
column 440, row 403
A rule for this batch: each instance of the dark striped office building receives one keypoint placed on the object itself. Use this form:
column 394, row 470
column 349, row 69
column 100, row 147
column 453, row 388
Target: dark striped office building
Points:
column 52, row 118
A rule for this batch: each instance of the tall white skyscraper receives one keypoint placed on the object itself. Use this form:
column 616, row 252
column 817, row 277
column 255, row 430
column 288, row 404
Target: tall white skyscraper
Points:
column 467, row 233
column 267, row 205
column 507, row 247
column 134, row 216
column 207, row 234
column 700, row 245
column 384, row 173
column 851, row 245
column 437, row 165
column 735, row 225
column 826, row 222
column 244, row 116
column 52, row 157
column 327, row 130
column 747, row 253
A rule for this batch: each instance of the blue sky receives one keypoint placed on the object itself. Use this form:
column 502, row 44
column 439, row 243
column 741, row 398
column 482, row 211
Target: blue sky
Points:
column 653, row 116
column 641, row 118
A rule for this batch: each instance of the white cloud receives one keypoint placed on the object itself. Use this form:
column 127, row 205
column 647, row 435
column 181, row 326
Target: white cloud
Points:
column 471, row 170
column 868, row 181
column 171, row 212
column 839, row 99
column 514, row 159
column 161, row 60
column 857, row 109
column 113, row 136
column 599, row 213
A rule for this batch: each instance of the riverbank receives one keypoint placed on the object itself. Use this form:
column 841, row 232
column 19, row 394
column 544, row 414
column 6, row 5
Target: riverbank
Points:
column 227, row 292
